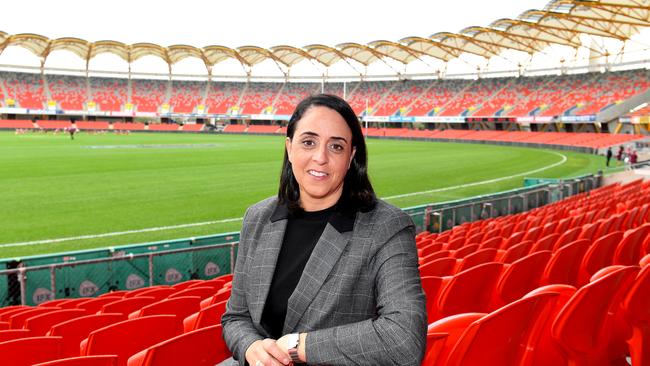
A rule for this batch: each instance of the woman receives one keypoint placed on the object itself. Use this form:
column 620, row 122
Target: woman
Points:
column 325, row 272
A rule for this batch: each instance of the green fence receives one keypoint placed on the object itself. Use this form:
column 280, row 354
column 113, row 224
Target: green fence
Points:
column 33, row 280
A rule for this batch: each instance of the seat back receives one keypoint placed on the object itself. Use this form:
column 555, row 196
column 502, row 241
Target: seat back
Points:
column 202, row 347
column 28, row 351
column 516, row 252
column 478, row 257
column 453, row 327
column 130, row 336
column 580, row 327
column 205, row 317
column 629, row 250
column 179, row 306
column 520, row 277
column 128, row 305
column 104, row 360
column 599, row 255
column 202, row 292
column 75, row 330
column 439, row 267
column 545, row 243
column 470, row 290
column 500, row 338
column 564, row 265
column 11, row 334
column 40, row 324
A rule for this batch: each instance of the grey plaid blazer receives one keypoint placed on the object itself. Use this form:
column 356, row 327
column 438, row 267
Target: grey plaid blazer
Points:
column 359, row 298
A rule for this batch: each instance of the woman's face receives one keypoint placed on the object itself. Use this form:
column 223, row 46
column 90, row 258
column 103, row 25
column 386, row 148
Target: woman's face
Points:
column 320, row 153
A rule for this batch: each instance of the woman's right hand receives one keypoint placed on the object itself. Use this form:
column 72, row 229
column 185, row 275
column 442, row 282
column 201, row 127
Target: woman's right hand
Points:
column 266, row 353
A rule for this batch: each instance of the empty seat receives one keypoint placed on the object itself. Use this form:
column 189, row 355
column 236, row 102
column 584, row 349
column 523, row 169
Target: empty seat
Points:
column 453, row 327
column 205, row 317
column 431, row 286
column 479, row 257
column 599, row 255
column 28, row 351
column 500, row 338
column 470, row 290
column 179, row 306
column 636, row 306
column 202, row 347
column 630, row 250
column 40, row 324
column 516, row 252
column 17, row 320
column 582, row 328
column 201, row 292
column 564, row 265
column 142, row 333
column 128, row 305
column 94, row 305
column 75, row 330
column 11, row 334
column 520, row 277
column 439, row 267
column 104, row 360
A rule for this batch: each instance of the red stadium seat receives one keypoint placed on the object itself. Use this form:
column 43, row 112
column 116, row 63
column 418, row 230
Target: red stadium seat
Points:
column 179, row 306
column 599, row 255
column 630, row 249
column 439, row 267
column 11, row 334
column 564, row 265
column 28, row 351
column 520, row 277
column 205, row 317
column 40, row 324
column 202, row 347
column 142, row 333
column 470, row 290
column 500, row 338
column 582, row 328
column 104, row 360
column 128, row 305
column 453, row 327
column 75, row 330
column 636, row 306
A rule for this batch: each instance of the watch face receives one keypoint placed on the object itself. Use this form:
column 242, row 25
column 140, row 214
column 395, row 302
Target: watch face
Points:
column 293, row 340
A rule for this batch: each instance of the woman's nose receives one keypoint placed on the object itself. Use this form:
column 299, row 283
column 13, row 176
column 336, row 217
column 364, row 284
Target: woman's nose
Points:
column 320, row 155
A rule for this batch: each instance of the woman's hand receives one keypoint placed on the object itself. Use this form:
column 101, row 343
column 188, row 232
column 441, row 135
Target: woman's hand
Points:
column 267, row 353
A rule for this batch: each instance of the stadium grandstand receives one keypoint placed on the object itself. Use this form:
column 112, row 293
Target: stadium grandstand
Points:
column 553, row 272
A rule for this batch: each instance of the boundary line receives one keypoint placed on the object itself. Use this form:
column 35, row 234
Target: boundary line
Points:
column 234, row 219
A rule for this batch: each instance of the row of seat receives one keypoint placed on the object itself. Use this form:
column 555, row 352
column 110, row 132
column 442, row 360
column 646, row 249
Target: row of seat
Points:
column 601, row 323
column 147, row 326
column 546, row 95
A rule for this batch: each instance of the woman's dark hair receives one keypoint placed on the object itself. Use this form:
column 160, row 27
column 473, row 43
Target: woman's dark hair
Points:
column 357, row 190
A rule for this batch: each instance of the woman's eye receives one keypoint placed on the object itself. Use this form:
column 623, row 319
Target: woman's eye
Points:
column 336, row 147
column 308, row 143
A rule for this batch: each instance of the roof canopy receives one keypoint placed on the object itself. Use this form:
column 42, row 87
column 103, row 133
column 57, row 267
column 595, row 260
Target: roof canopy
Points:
column 560, row 22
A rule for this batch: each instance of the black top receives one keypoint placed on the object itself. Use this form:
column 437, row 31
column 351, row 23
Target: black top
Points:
column 300, row 237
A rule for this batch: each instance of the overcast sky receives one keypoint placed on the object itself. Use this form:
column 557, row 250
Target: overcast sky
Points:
column 252, row 22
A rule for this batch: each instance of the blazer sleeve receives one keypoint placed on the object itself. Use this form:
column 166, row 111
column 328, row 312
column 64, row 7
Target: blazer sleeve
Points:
column 238, row 329
column 397, row 336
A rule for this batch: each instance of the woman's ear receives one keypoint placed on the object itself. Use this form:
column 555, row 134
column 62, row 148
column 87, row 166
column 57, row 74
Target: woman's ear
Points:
column 354, row 150
column 287, row 146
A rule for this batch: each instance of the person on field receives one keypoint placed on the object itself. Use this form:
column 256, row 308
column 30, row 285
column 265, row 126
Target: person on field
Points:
column 326, row 272
column 609, row 155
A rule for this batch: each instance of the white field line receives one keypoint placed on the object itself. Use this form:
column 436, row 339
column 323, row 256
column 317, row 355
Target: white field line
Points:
column 564, row 159
column 182, row 226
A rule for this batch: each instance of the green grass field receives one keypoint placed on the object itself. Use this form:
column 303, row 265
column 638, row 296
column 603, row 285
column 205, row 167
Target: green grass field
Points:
column 55, row 188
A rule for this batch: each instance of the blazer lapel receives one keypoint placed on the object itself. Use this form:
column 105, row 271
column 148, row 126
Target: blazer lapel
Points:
column 266, row 256
column 326, row 254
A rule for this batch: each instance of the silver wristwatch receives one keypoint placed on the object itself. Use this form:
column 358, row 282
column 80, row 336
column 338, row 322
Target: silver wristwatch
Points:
column 293, row 341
